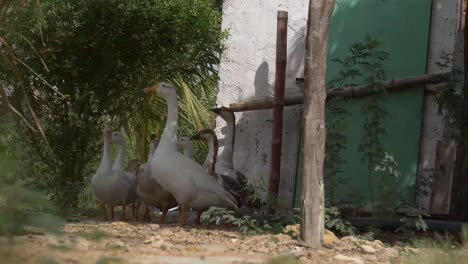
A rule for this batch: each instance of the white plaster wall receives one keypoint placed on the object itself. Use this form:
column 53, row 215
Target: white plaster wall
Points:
column 247, row 71
column 444, row 26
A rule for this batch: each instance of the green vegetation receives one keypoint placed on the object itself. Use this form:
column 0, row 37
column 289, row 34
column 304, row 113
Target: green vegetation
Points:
column 73, row 66
column 259, row 222
column 20, row 207
column 336, row 224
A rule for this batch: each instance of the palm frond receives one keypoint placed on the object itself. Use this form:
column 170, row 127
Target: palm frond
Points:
column 197, row 93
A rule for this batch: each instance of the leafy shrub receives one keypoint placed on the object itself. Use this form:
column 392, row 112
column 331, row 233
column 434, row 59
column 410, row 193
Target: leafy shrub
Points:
column 261, row 221
column 335, row 223
column 246, row 224
column 86, row 62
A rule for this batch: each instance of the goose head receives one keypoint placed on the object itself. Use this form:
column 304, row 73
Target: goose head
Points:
column 119, row 137
column 162, row 89
column 184, row 143
column 206, row 135
column 107, row 133
column 224, row 112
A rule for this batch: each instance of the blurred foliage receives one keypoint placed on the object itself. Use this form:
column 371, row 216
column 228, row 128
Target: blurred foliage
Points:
column 76, row 65
column 441, row 249
column 21, row 208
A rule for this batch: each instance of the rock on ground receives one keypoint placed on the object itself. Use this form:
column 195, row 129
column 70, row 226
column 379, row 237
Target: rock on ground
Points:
column 134, row 242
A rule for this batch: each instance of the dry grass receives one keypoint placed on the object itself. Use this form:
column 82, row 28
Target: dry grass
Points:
column 440, row 250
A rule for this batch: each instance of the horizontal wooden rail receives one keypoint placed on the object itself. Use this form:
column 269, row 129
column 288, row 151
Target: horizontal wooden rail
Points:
column 349, row 92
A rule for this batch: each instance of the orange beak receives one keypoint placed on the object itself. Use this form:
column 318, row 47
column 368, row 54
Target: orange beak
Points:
column 151, row 89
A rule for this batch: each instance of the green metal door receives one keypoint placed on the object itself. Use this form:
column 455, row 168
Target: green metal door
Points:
column 403, row 27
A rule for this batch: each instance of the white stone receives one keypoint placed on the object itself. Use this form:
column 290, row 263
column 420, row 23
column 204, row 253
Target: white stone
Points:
column 344, row 258
column 368, row 249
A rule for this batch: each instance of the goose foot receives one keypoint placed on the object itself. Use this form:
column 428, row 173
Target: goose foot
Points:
column 182, row 209
column 112, row 213
column 163, row 217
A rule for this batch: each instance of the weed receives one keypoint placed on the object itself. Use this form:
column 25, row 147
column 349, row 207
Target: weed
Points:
column 96, row 235
column 48, row 260
column 109, row 260
column 284, row 259
column 62, row 248
column 441, row 250
column 335, row 223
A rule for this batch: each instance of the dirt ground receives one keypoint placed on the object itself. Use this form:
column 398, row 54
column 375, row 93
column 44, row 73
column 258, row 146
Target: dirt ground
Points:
column 93, row 241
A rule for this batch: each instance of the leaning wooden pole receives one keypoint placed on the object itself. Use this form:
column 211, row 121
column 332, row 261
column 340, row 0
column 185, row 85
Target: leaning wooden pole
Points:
column 313, row 122
column 278, row 105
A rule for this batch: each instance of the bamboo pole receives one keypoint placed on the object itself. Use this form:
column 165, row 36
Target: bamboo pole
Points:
column 349, row 92
column 278, row 105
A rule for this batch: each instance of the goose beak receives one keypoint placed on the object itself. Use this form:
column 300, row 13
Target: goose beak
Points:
column 195, row 137
column 151, row 89
column 215, row 110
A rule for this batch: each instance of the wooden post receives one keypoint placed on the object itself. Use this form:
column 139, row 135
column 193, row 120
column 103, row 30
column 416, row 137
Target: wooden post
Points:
column 278, row 105
column 464, row 127
column 313, row 122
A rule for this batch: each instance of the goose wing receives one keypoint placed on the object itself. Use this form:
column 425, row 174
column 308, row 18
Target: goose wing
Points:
column 233, row 187
column 202, row 181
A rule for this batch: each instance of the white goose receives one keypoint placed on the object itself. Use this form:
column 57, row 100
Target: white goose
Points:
column 185, row 179
column 150, row 190
column 230, row 184
column 225, row 164
column 120, row 139
column 112, row 187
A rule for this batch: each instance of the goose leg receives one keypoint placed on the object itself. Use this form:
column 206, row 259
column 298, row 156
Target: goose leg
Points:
column 112, row 212
column 146, row 216
column 122, row 217
column 182, row 209
column 163, row 217
column 138, row 205
column 198, row 221
column 133, row 211
column 104, row 214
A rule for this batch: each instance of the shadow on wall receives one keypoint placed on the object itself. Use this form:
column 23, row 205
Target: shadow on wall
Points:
column 254, row 128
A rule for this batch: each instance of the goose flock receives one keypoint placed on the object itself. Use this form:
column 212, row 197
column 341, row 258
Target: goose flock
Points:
column 170, row 178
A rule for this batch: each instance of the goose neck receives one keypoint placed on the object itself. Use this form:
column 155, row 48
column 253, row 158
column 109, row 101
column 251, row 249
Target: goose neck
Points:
column 229, row 139
column 188, row 151
column 119, row 161
column 106, row 161
column 169, row 137
column 210, row 160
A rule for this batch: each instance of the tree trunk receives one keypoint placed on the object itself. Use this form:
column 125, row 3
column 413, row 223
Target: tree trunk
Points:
column 313, row 122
